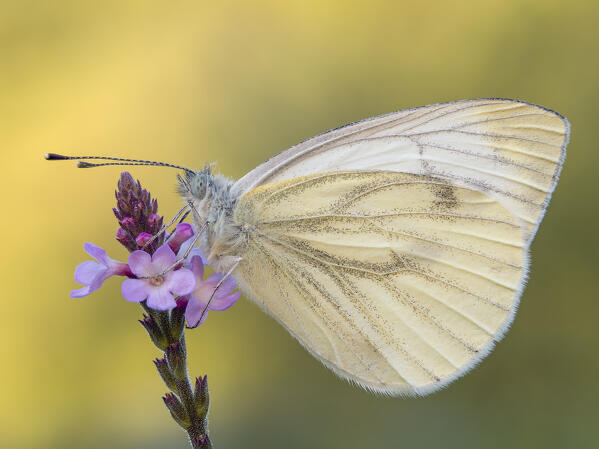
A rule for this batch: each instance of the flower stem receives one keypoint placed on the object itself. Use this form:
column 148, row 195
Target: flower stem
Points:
column 197, row 429
column 189, row 408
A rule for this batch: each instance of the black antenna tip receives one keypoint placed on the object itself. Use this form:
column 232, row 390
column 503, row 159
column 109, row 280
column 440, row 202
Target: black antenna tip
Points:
column 82, row 164
column 55, row 157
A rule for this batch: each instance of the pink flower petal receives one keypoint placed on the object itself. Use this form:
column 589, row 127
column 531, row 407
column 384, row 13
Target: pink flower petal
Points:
column 197, row 267
column 97, row 253
column 99, row 280
column 225, row 288
column 80, row 292
column 203, row 292
column 224, row 302
column 142, row 239
column 135, row 290
column 213, row 279
column 181, row 282
column 87, row 271
column 184, row 230
column 140, row 263
column 194, row 311
column 120, row 269
column 163, row 258
column 161, row 299
column 182, row 233
column 194, row 252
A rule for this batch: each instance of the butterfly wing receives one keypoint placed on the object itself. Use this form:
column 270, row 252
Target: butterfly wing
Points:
column 509, row 149
column 399, row 282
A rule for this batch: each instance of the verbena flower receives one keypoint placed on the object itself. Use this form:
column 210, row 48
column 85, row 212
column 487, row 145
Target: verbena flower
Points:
column 148, row 269
column 197, row 251
column 93, row 274
column 163, row 281
column 183, row 232
column 142, row 239
column 197, row 300
column 157, row 285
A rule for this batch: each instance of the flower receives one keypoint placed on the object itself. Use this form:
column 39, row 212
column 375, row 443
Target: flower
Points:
column 197, row 305
column 156, row 285
column 142, row 239
column 183, row 232
column 195, row 251
column 93, row 274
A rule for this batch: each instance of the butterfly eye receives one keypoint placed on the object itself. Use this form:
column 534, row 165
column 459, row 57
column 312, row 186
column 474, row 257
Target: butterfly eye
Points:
column 198, row 186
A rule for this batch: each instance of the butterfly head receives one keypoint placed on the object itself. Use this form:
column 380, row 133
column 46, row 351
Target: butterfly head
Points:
column 197, row 185
column 209, row 196
column 207, row 192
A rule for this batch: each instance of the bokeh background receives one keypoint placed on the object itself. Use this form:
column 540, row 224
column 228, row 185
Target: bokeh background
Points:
column 236, row 82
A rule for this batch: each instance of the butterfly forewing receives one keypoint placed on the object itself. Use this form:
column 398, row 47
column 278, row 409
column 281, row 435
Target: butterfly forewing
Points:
column 513, row 151
column 397, row 281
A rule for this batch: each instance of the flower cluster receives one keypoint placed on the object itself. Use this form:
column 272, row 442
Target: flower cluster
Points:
column 165, row 274
column 157, row 270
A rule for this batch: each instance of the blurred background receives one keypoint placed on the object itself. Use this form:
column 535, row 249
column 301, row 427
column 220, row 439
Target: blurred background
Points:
column 236, row 82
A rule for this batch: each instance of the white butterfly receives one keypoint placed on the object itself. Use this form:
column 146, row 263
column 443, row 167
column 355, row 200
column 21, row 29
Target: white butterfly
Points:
column 395, row 249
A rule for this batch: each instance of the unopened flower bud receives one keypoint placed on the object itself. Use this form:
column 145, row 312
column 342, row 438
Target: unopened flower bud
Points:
column 126, row 182
column 117, row 213
column 183, row 232
column 175, row 355
column 145, row 201
column 138, row 214
column 128, row 224
column 201, row 396
column 142, row 239
column 177, row 410
column 156, row 335
column 178, row 318
column 122, row 236
column 202, row 442
column 165, row 373
column 123, row 207
column 125, row 239
column 153, row 223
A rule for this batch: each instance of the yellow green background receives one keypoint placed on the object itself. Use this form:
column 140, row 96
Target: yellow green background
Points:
column 236, row 82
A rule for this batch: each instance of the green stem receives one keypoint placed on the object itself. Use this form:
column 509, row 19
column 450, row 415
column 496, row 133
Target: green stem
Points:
column 197, row 429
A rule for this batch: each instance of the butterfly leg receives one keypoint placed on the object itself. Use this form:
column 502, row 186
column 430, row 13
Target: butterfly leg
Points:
column 224, row 278
column 182, row 259
column 185, row 209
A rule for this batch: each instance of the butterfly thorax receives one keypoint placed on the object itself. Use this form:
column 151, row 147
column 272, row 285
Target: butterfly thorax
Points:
column 221, row 240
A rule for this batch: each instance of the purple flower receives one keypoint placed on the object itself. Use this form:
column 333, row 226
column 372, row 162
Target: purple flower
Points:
column 183, row 232
column 93, row 274
column 157, row 288
column 142, row 239
column 195, row 251
column 197, row 306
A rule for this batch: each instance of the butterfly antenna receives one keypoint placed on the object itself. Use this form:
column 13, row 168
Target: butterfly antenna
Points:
column 114, row 161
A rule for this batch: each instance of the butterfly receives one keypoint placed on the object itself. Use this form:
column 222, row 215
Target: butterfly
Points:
column 394, row 249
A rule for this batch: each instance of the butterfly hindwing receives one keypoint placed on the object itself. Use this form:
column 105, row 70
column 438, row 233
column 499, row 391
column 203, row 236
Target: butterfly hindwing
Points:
column 399, row 282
